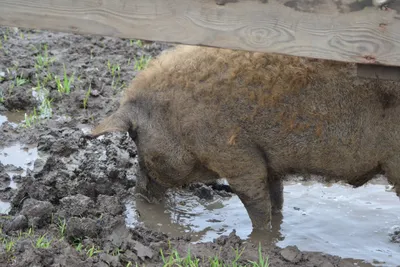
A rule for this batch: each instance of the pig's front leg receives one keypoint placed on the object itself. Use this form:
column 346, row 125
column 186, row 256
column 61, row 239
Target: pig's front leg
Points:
column 255, row 196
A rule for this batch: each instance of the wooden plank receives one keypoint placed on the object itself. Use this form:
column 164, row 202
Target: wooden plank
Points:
column 324, row 29
column 378, row 71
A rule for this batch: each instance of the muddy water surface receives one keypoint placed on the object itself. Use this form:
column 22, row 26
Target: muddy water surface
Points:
column 354, row 223
column 13, row 117
column 21, row 158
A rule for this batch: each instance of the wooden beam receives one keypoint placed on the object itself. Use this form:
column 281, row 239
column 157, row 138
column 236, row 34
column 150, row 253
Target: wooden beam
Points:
column 327, row 30
column 377, row 71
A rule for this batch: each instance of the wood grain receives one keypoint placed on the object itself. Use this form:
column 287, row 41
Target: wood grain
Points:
column 366, row 36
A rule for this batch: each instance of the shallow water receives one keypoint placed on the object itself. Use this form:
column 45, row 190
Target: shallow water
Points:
column 13, row 117
column 337, row 219
column 21, row 156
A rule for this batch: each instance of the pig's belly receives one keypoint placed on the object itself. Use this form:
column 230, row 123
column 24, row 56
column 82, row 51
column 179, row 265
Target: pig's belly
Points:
column 330, row 165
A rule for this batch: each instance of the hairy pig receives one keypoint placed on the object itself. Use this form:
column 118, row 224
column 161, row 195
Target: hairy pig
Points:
column 197, row 114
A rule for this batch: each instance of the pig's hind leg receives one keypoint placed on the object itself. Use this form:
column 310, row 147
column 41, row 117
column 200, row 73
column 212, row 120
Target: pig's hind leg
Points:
column 392, row 171
column 276, row 192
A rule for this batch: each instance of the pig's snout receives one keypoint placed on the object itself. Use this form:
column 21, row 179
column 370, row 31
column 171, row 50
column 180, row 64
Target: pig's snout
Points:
column 149, row 189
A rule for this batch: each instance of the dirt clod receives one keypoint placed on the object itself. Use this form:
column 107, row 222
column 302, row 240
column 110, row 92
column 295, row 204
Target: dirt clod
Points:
column 81, row 227
column 38, row 212
column 19, row 222
column 291, row 254
column 77, row 205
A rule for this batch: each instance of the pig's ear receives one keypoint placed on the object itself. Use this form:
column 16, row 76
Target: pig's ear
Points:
column 117, row 122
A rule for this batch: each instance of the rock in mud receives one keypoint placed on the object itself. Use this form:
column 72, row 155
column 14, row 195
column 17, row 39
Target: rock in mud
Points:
column 20, row 222
column 291, row 254
column 38, row 212
column 81, row 227
column 77, row 205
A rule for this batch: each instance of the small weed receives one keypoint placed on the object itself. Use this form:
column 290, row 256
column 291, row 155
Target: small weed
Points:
column 62, row 226
column 31, row 119
column 116, row 252
column 262, row 262
column 42, row 242
column 79, row 247
column 86, row 99
column 65, row 86
column 77, row 243
column 30, row 232
column 139, row 43
column 19, row 81
column 45, row 108
column 49, row 77
column 141, row 63
column 176, row 260
column 92, row 251
column 43, row 60
column 9, row 245
column 115, row 71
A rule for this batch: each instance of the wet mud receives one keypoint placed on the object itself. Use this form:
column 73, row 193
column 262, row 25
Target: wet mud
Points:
column 67, row 201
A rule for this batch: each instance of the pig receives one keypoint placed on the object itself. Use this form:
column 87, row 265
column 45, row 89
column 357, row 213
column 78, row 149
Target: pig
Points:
column 198, row 114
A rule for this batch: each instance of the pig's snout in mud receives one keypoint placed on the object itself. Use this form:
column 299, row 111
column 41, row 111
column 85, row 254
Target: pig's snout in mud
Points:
column 149, row 189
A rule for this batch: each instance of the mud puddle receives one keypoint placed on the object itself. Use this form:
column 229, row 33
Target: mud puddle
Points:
column 16, row 159
column 316, row 217
column 14, row 118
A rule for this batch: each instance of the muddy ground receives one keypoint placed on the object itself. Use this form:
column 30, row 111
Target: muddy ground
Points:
column 68, row 208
